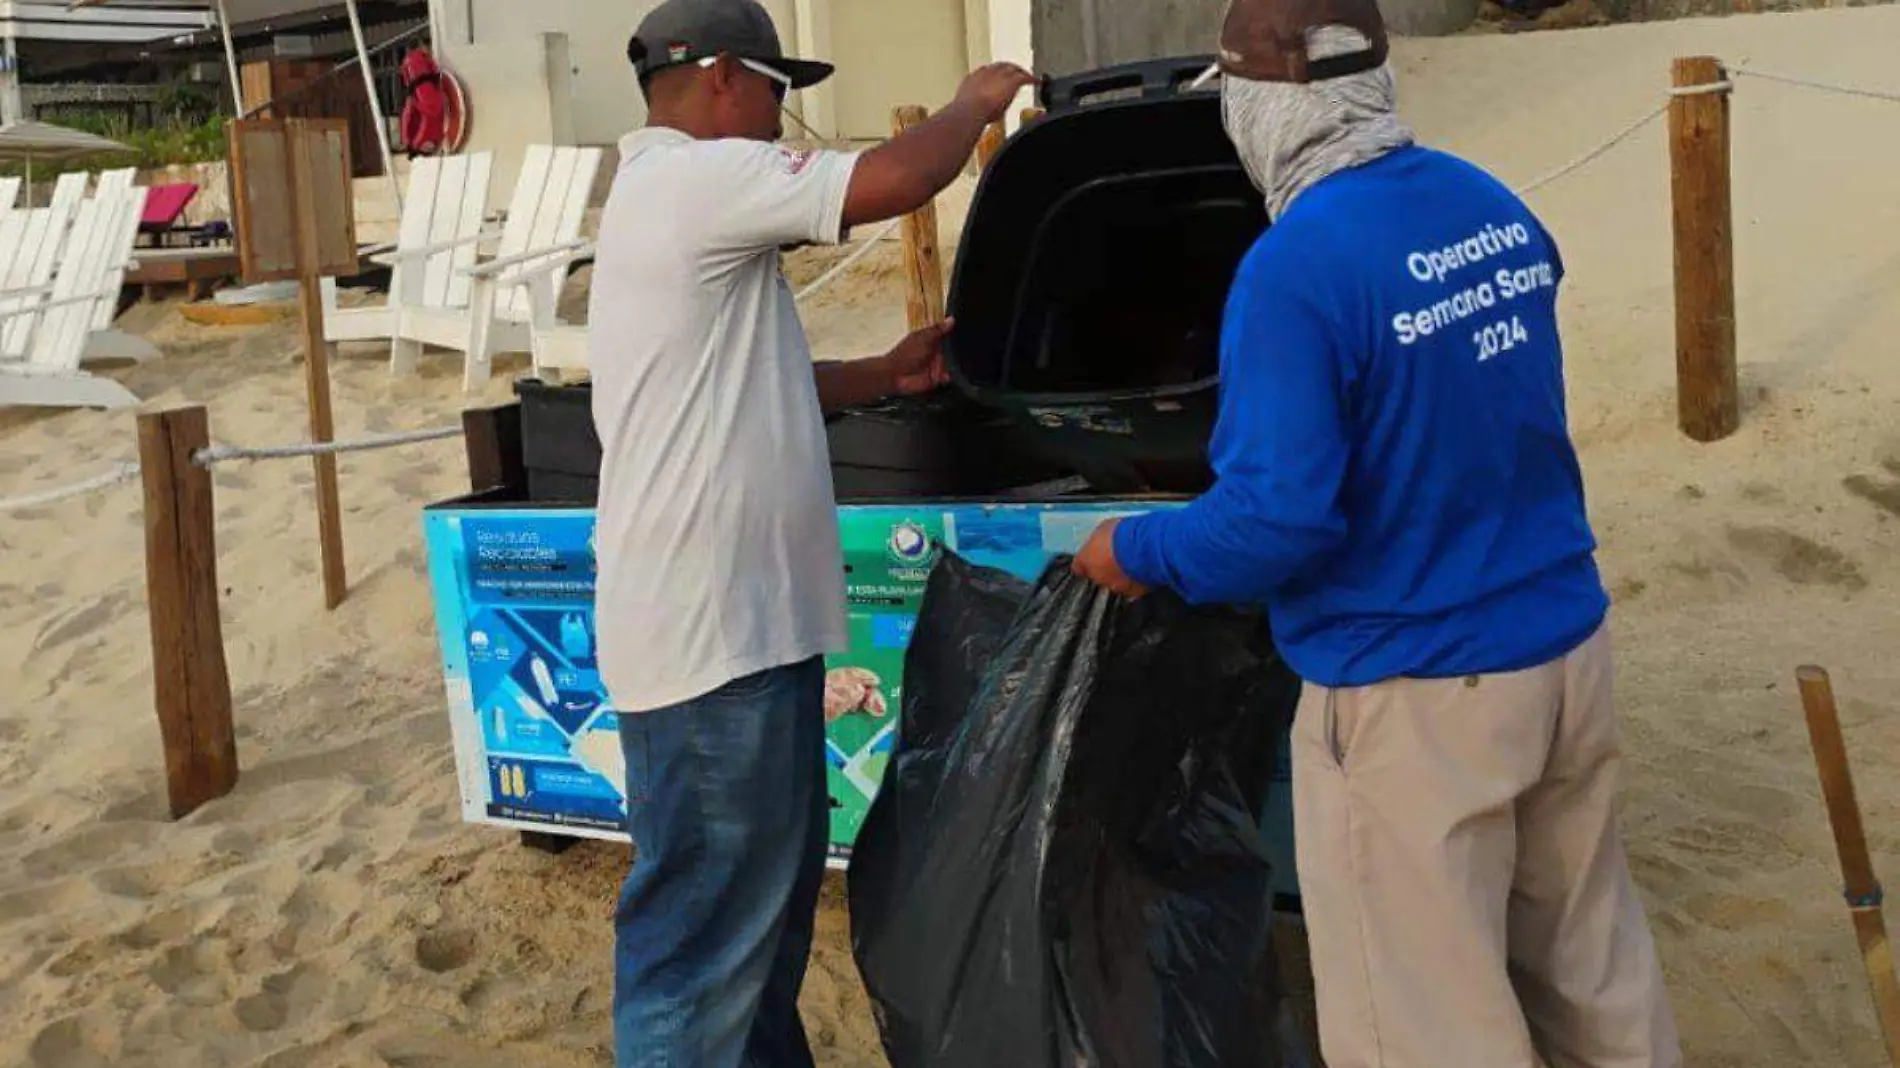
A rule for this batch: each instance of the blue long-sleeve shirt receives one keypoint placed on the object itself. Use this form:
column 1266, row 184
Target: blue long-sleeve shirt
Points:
column 1395, row 479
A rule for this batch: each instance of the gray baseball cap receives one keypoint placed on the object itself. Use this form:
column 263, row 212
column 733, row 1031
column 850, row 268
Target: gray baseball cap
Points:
column 687, row 31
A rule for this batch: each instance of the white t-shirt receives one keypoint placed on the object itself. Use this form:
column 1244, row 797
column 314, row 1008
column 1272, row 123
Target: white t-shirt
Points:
column 718, row 532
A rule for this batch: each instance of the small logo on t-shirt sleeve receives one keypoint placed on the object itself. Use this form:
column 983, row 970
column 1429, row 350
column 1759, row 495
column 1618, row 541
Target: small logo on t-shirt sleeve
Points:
column 796, row 160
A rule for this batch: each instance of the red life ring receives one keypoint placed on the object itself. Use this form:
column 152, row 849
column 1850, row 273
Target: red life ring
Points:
column 435, row 115
column 457, row 116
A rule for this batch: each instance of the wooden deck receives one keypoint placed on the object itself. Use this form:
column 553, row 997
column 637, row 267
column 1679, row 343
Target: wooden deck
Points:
column 200, row 270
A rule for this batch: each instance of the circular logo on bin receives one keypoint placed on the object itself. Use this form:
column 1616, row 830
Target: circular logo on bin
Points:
column 910, row 544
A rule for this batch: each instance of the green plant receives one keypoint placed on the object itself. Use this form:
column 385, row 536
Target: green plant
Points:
column 167, row 143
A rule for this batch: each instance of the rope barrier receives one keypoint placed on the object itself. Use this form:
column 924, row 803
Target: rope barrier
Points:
column 1594, row 154
column 122, row 473
column 1808, row 83
column 1723, row 87
column 1712, row 89
column 218, row 454
column 870, row 244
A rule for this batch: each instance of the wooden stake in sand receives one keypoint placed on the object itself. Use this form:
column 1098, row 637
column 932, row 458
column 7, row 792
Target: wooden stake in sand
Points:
column 923, row 263
column 1864, row 895
column 316, row 365
column 297, row 220
column 990, row 144
column 1708, row 395
column 192, row 687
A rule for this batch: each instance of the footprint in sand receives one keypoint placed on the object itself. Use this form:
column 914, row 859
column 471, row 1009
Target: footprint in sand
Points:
column 140, row 882
column 163, row 928
column 77, row 961
column 33, row 902
column 81, row 622
column 1800, row 560
column 66, row 1043
column 88, row 847
column 286, row 994
column 1881, row 493
column 445, row 951
column 189, row 973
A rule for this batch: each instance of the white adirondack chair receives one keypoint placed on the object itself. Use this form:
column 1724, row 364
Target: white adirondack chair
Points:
column 50, row 375
column 436, row 241
column 30, row 244
column 123, row 241
column 70, row 189
column 118, row 244
column 543, row 230
column 455, row 303
column 117, row 181
column 9, row 193
column 559, row 348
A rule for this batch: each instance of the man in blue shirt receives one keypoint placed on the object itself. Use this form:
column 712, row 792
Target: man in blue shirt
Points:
column 1396, row 482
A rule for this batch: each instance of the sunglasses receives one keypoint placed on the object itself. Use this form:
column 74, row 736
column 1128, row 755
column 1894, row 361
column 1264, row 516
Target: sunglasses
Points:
column 781, row 81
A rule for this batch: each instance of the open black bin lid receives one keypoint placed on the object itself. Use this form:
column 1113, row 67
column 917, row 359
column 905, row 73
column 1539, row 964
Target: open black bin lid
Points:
column 1094, row 268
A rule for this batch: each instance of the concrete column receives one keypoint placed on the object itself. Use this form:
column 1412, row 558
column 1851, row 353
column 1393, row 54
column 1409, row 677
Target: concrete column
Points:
column 814, row 39
column 1011, row 25
column 976, row 30
column 12, row 107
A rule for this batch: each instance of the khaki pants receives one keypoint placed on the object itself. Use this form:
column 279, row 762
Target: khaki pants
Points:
column 1468, row 900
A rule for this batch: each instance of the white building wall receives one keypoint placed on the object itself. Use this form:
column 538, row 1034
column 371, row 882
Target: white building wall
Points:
column 1011, row 40
column 605, row 96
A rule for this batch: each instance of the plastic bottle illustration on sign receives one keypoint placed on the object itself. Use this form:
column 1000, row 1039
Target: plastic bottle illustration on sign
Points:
column 544, row 680
column 529, row 708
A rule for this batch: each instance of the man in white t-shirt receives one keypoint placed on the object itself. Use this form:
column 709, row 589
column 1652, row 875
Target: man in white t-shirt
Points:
column 721, row 581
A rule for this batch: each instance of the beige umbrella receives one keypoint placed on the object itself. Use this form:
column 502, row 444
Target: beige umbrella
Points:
column 31, row 140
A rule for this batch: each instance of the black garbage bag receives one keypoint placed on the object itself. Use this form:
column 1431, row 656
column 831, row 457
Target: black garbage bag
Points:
column 1063, row 867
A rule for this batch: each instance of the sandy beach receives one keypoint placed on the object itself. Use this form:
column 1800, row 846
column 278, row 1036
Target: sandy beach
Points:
column 334, row 911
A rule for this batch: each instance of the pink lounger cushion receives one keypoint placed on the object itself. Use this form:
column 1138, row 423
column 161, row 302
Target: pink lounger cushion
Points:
column 165, row 203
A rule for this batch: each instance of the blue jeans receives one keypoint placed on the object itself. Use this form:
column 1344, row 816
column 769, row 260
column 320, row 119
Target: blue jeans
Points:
column 729, row 813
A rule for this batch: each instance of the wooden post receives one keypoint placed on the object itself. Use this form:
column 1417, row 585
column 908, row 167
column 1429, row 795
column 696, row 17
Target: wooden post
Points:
column 1708, row 395
column 990, row 144
column 336, row 582
column 923, row 263
column 1850, row 841
column 189, row 679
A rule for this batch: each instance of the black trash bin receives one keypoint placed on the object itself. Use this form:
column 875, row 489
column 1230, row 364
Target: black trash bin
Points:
column 1093, row 272
column 934, row 447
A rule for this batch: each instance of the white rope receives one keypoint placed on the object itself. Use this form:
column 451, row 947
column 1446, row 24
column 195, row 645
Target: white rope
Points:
column 123, row 473
column 1825, row 87
column 870, row 244
column 218, row 454
column 1705, row 89
column 1594, row 154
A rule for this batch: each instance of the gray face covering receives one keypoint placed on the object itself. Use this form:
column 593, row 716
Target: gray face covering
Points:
column 1291, row 136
